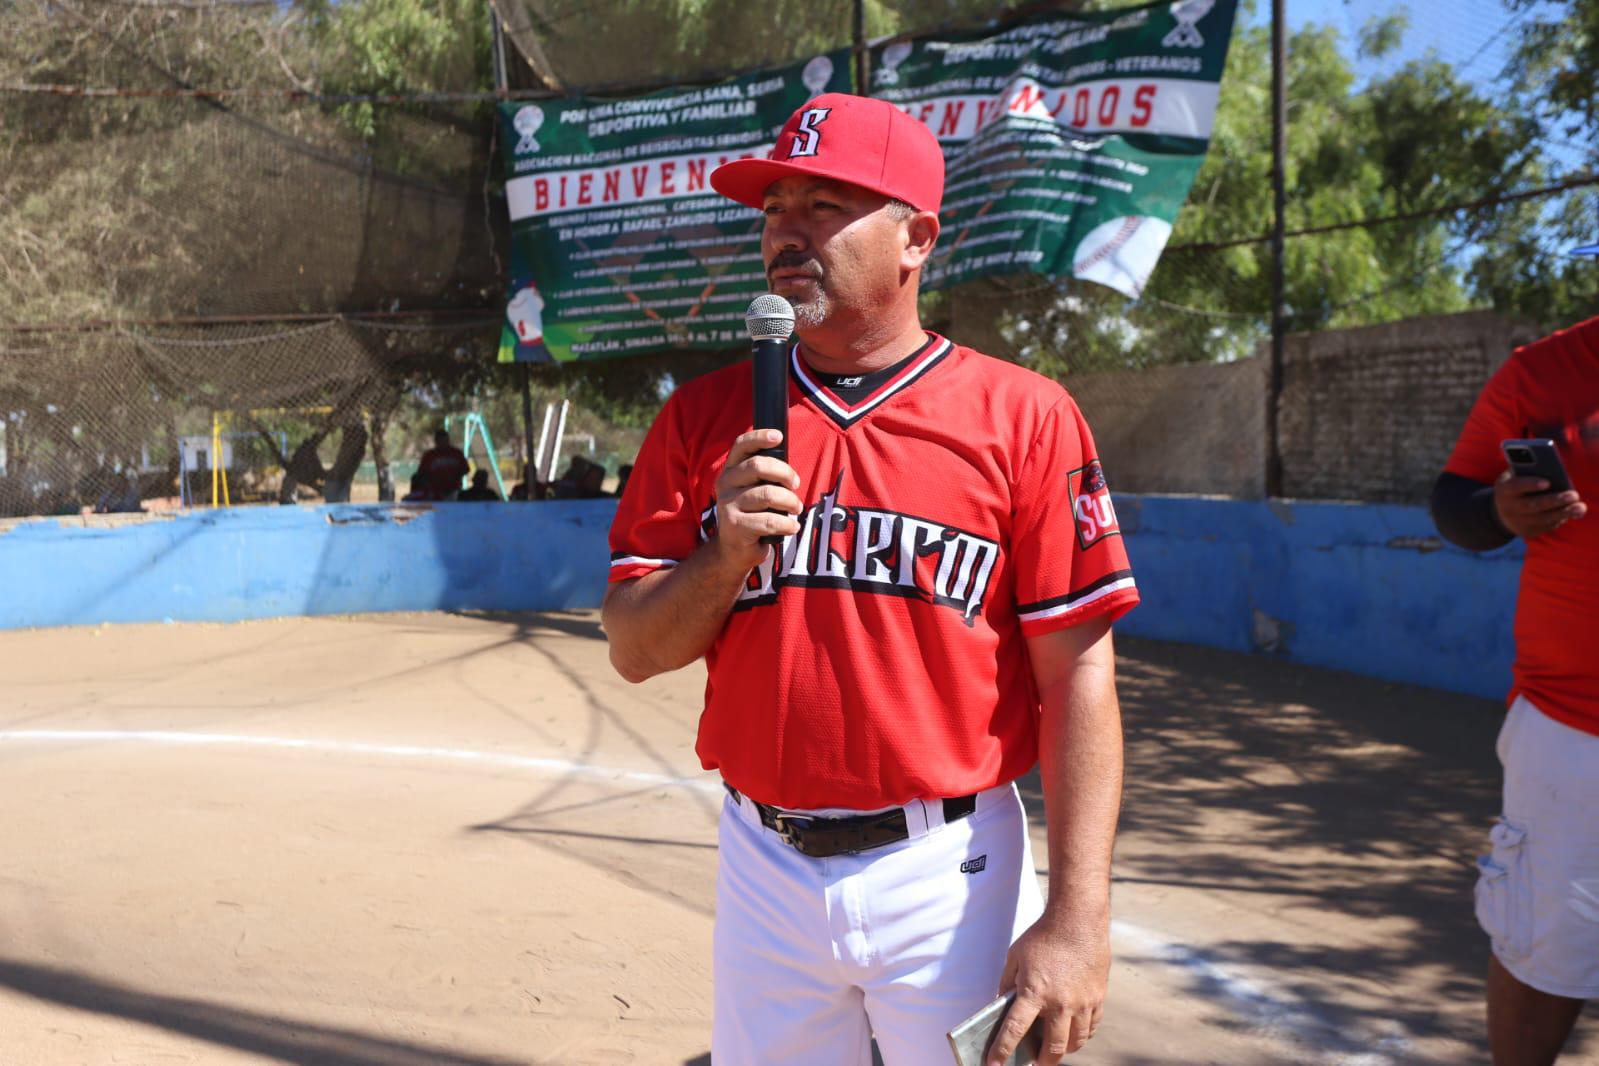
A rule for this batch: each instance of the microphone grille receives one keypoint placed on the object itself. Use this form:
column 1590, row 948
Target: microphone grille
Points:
column 769, row 317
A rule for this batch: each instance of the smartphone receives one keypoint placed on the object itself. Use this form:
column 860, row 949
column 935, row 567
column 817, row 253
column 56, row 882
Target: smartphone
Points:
column 970, row 1039
column 1537, row 457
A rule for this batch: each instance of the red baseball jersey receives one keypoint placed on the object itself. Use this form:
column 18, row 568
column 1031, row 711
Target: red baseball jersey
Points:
column 1550, row 389
column 877, row 656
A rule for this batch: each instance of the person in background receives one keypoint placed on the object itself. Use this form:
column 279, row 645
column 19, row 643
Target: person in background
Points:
column 1537, row 893
column 592, row 485
column 582, row 480
column 623, row 472
column 442, row 467
column 480, row 491
column 419, row 491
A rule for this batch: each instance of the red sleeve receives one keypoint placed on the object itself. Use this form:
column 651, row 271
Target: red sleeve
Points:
column 657, row 523
column 1494, row 418
column 1070, row 558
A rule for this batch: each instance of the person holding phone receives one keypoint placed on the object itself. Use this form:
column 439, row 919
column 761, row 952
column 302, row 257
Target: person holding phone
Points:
column 1527, row 465
column 935, row 622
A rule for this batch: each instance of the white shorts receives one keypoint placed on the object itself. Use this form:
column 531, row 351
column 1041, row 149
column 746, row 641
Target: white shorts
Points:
column 813, row 957
column 1538, row 891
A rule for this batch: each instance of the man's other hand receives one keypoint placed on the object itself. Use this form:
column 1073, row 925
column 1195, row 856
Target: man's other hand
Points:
column 1060, row 969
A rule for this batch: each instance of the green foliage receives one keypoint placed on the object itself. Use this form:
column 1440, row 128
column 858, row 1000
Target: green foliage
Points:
column 101, row 214
column 1383, row 33
column 1556, row 65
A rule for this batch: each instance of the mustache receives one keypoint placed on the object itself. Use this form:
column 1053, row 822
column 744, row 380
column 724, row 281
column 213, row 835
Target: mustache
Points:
column 794, row 261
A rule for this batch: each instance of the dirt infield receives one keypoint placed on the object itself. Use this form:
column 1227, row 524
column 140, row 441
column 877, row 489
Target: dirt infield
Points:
column 461, row 840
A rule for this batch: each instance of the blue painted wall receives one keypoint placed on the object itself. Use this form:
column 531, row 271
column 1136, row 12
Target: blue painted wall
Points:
column 264, row 562
column 1365, row 588
column 1368, row 588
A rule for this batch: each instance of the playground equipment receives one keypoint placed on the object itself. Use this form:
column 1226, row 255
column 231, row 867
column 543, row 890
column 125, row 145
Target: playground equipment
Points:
column 217, row 454
column 476, row 427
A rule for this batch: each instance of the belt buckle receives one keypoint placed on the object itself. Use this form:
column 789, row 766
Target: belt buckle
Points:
column 789, row 826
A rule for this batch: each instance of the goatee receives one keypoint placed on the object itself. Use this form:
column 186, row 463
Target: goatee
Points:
column 813, row 312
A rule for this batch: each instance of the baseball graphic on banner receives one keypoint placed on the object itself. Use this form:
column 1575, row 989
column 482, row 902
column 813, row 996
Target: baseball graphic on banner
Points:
column 893, row 56
column 526, row 123
column 817, row 73
column 1122, row 253
column 525, row 313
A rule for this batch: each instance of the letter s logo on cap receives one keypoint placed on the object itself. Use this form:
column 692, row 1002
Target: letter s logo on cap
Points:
column 807, row 138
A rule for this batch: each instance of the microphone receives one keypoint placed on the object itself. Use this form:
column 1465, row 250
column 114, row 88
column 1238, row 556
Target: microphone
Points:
column 770, row 321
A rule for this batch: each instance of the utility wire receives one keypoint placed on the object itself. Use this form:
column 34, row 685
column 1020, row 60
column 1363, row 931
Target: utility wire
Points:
column 466, row 316
column 1580, row 182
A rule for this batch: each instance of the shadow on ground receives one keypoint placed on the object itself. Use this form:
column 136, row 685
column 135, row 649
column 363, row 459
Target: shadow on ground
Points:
column 1350, row 800
column 1336, row 817
column 285, row 1039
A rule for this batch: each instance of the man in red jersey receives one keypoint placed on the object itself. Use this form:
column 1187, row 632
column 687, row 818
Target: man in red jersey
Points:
column 442, row 467
column 935, row 622
column 1538, row 890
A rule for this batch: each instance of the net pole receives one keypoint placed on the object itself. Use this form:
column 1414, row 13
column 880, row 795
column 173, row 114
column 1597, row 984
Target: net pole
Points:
column 863, row 58
column 501, row 81
column 527, row 425
column 215, row 437
column 1279, row 197
column 501, row 85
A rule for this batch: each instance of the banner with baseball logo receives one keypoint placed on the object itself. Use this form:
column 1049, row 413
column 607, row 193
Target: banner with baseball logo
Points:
column 618, row 243
column 1071, row 140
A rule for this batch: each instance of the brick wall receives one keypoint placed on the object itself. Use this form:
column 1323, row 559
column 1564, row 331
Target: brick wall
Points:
column 1372, row 413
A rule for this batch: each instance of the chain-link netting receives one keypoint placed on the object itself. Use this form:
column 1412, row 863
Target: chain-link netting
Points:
column 268, row 240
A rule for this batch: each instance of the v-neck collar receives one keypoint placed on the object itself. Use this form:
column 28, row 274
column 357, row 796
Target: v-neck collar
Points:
column 846, row 415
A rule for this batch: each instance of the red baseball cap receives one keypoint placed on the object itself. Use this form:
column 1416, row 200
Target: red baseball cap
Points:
column 854, row 139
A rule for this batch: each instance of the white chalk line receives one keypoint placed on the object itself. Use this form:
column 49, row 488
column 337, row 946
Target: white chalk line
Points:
column 353, row 747
column 1271, row 1015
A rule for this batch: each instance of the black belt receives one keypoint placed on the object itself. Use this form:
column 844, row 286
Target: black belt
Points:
column 821, row 837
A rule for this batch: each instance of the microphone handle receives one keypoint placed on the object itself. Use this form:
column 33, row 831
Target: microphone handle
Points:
column 771, row 399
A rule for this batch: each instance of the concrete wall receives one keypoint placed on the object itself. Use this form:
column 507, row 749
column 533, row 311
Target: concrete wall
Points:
column 263, row 562
column 1199, row 428
column 1365, row 588
column 1372, row 414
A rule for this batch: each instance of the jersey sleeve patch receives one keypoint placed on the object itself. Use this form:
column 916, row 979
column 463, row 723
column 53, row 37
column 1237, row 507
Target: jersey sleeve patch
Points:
column 1092, row 508
column 1068, row 550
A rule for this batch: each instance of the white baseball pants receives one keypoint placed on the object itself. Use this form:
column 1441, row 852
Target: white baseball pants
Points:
column 814, row 957
column 1538, row 890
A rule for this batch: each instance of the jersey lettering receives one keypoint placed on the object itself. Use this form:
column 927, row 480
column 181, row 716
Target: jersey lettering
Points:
column 807, row 138
column 875, row 551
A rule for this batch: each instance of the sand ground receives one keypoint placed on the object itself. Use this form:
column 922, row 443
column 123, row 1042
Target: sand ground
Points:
column 461, row 840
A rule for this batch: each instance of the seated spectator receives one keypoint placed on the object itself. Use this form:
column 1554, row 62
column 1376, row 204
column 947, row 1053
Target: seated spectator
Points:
column 569, row 486
column 623, row 472
column 442, row 467
column 480, row 491
column 122, row 497
column 592, row 484
column 583, row 480
column 419, row 491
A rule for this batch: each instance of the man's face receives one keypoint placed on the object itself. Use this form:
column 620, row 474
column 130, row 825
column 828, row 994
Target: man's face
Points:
column 828, row 246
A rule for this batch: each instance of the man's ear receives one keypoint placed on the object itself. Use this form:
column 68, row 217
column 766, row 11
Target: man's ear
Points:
column 921, row 233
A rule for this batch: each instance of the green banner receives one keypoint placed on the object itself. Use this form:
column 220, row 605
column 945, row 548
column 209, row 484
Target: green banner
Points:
column 618, row 243
column 1071, row 140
